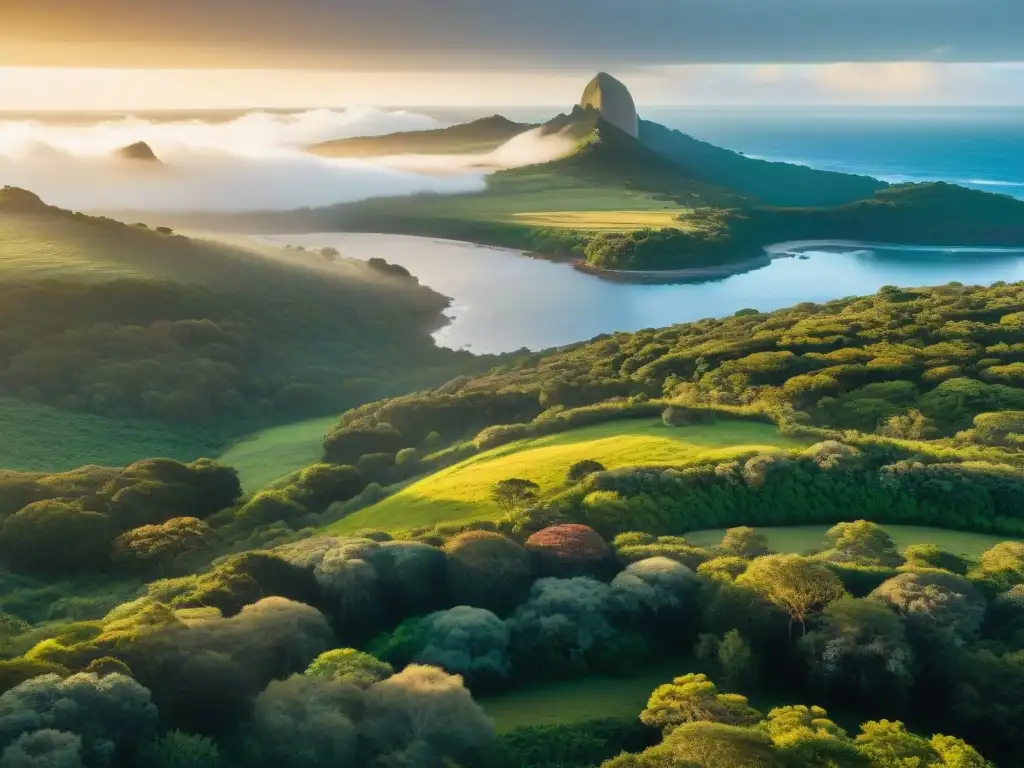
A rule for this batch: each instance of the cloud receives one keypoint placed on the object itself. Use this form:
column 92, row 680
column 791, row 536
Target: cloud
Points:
column 254, row 162
column 875, row 81
column 482, row 34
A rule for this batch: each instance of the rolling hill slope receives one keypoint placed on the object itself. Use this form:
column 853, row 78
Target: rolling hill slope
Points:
column 463, row 492
column 154, row 334
column 475, row 137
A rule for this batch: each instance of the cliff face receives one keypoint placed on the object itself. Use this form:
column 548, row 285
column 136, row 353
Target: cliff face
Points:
column 613, row 100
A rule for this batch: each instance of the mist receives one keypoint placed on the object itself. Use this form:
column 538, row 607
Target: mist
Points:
column 527, row 148
column 254, row 162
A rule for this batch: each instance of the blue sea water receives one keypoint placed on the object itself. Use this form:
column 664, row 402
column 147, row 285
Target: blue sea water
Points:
column 978, row 147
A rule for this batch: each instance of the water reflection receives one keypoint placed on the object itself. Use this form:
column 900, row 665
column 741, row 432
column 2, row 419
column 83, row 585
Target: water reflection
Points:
column 504, row 301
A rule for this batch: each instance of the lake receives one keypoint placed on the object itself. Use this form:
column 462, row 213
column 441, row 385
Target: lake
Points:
column 502, row 300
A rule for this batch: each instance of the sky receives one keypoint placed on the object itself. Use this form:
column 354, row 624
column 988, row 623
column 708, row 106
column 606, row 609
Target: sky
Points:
column 153, row 54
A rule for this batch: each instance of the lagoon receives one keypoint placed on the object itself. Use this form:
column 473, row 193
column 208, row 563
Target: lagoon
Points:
column 503, row 300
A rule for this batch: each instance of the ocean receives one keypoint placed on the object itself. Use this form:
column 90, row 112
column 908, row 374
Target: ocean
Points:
column 978, row 147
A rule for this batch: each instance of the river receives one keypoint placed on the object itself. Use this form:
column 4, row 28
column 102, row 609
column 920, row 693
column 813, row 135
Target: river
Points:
column 502, row 300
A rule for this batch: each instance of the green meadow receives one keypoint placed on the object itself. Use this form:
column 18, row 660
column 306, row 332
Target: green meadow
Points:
column 462, row 492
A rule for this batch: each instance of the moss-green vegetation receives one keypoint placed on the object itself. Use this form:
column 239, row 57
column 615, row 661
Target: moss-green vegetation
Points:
column 801, row 539
column 463, row 492
column 577, row 701
column 267, row 455
column 476, row 137
column 240, row 626
column 906, row 364
column 46, row 439
column 771, row 183
column 132, row 324
column 575, row 206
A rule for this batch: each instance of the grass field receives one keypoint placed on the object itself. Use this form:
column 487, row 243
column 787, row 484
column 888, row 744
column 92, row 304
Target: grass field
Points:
column 49, row 246
column 462, row 492
column 53, row 244
column 592, row 698
column 805, row 538
column 44, row 439
column 605, row 221
column 597, row 698
column 270, row 454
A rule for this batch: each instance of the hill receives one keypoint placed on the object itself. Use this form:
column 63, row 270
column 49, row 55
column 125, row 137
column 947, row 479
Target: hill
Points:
column 923, row 214
column 476, row 137
column 140, row 325
column 648, row 200
column 462, row 493
column 924, row 362
column 772, row 183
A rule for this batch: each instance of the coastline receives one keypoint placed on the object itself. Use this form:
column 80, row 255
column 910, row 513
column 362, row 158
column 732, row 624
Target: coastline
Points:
column 670, row 276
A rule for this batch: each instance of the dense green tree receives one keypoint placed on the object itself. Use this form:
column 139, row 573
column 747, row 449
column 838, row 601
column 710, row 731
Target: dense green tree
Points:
column 744, row 542
column 716, row 745
column 694, row 698
column 582, row 469
column 939, row 608
column 860, row 651
column 569, row 550
column 424, row 716
column 862, row 543
column 933, row 556
column 1003, row 564
column 111, row 716
column 55, row 537
column 182, row 750
column 157, row 547
column 487, row 570
column 348, row 665
column 45, row 748
column 796, row 584
column 514, row 494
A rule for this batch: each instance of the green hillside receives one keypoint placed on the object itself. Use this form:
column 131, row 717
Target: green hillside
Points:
column 149, row 328
column 267, row 455
column 772, row 183
column 476, row 137
column 463, row 492
column 40, row 438
column 803, row 539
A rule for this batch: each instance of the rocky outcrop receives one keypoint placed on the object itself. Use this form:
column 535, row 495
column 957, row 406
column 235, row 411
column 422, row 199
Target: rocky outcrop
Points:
column 140, row 151
column 612, row 99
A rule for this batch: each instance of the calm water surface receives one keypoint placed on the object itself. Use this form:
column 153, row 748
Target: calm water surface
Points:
column 502, row 301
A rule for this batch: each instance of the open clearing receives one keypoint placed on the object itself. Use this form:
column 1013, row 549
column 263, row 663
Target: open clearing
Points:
column 462, row 492
column 39, row 438
column 805, row 538
column 270, row 454
column 592, row 698
column 605, row 221
column 599, row 698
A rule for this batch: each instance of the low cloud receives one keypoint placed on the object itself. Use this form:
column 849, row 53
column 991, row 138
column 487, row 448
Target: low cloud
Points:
column 528, row 148
column 253, row 162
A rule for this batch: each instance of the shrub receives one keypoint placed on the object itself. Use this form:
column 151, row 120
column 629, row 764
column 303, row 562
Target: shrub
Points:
column 569, row 550
column 55, row 537
column 487, row 570
column 744, row 542
column 581, row 469
column 158, row 547
column 347, row 665
column 272, row 506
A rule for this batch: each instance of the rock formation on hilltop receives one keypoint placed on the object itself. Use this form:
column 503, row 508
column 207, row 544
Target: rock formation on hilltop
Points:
column 613, row 100
column 139, row 151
